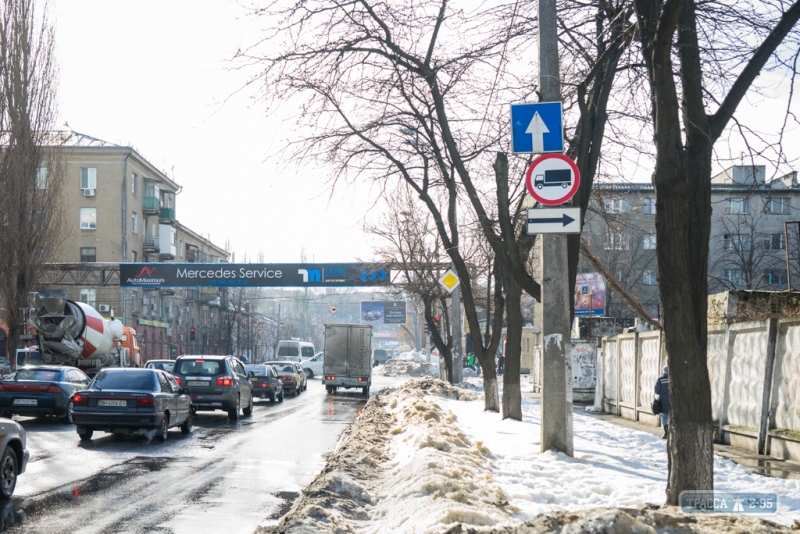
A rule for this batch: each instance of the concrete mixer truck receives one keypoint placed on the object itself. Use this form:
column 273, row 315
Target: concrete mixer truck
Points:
column 74, row 333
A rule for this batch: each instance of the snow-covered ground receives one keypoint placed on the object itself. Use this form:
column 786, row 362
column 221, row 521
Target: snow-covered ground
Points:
column 426, row 457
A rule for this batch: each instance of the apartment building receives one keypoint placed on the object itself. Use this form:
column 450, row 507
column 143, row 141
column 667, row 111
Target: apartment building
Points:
column 747, row 248
column 121, row 208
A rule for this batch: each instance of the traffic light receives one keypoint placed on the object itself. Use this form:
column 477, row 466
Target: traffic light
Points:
column 436, row 322
column 427, row 330
column 191, row 334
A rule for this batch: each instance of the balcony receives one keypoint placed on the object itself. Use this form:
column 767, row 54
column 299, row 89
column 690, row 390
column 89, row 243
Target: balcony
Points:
column 166, row 234
column 208, row 294
column 167, row 215
column 192, row 295
column 150, row 243
column 151, row 205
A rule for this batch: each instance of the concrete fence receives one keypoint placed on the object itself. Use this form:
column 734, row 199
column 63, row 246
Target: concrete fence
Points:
column 754, row 369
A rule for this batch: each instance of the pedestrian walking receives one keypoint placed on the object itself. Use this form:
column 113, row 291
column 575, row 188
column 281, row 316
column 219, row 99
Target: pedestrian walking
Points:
column 501, row 364
column 662, row 390
column 471, row 361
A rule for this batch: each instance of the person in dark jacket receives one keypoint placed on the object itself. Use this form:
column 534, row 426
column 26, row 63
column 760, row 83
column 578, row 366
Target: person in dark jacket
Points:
column 501, row 364
column 662, row 390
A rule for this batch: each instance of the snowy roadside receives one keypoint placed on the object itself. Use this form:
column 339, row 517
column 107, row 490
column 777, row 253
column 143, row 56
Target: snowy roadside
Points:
column 425, row 457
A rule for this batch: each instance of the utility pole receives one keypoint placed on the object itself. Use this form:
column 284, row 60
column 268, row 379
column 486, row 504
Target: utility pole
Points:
column 455, row 315
column 556, row 366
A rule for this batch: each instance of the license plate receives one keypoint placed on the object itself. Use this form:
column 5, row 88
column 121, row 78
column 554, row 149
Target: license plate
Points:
column 110, row 402
column 26, row 402
column 253, row 379
column 197, row 384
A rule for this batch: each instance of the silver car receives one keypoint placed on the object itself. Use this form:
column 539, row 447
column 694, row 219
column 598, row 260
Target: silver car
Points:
column 13, row 443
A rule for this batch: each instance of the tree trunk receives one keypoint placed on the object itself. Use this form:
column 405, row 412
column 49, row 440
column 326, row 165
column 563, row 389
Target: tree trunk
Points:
column 512, row 397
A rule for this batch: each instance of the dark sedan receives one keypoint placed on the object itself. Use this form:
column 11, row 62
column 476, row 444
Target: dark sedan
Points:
column 41, row 390
column 122, row 400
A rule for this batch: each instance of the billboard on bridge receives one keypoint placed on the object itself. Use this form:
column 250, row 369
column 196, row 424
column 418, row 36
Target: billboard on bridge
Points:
column 155, row 275
column 383, row 312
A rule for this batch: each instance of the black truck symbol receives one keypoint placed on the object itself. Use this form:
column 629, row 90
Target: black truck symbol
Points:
column 553, row 178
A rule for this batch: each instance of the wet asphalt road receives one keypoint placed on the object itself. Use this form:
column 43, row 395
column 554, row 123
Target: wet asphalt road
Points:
column 223, row 477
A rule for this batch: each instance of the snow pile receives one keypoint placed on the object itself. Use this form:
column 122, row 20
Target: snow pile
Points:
column 425, row 457
column 397, row 367
column 410, row 356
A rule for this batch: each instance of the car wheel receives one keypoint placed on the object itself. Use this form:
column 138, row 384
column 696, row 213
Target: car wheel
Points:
column 162, row 429
column 186, row 427
column 272, row 399
column 249, row 410
column 8, row 473
column 309, row 373
column 86, row 435
column 233, row 413
column 280, row 399
column 67, row 417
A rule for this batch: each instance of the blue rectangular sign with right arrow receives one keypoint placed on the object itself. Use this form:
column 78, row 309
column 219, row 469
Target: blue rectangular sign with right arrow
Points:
column 554, row 221
column 537, row 128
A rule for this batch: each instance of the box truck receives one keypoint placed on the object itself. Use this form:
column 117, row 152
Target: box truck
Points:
column 348, row 357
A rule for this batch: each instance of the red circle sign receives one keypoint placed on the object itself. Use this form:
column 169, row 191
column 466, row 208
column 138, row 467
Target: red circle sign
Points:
column 553, row 179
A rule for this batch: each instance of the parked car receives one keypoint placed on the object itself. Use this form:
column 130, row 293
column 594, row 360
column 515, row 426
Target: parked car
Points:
column 380, row 356
column 215, row 383
column 44, row 390
column 13, row 443
column 162, row 365
column 292, row 375
column 313, row 366
column 265, row 381
column 125, row 400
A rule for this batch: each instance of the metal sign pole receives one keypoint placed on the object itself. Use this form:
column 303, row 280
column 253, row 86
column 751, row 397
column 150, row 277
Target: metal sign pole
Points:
column 556, row 427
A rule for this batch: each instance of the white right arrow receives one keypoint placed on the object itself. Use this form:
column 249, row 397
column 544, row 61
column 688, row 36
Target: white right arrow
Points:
column 537, row 128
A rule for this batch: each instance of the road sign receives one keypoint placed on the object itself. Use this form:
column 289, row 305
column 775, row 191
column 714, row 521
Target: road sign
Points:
column 553, row 179
column 449, row 281
column 537, row 128
column 554, row 221
column 333, row 309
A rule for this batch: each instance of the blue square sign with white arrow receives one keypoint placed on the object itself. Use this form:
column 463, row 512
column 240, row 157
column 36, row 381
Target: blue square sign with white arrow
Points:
column 537, row 128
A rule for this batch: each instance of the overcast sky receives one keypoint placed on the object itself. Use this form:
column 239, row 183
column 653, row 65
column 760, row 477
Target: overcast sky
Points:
column 155, row 75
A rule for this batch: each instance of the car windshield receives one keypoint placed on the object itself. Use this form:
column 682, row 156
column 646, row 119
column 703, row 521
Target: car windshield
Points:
column 288, row 368
column 117, row 379
column 38, row 374
column 200, row 367
column 164, row 366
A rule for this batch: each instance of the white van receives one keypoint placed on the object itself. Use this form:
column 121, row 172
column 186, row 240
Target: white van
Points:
column 295, row 351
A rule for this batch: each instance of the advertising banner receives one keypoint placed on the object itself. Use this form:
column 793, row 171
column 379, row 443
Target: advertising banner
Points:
column 590, row 294
column 383, row 312
column 155, row 275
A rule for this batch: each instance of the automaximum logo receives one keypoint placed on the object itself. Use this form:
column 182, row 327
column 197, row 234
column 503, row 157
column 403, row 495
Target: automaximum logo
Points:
column 148, row 275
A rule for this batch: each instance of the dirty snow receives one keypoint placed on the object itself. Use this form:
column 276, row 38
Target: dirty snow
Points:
column 425, row 457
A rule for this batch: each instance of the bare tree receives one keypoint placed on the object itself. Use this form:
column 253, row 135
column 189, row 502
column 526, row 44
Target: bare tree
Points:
column 31, row 204
column 697, row 56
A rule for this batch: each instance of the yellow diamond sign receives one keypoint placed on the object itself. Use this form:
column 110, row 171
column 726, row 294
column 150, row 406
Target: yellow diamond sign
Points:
column 449, row 281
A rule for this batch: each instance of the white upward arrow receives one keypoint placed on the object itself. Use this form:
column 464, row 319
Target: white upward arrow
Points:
column 537, row 128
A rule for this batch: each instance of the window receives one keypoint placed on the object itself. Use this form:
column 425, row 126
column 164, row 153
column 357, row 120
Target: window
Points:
column 41, row 178
column 734, row 276
column 776, row 277
column 180, row 249
column 736, row 206
column 778, row 206
column 775, row 242
column 133, row 256
column 649, row 277
column 88, row 218
column 738, row 242
column 133, row 301
column 134, row 185
column 650, row 242
column 617, row 241
column 653, row 310
column 88, row 178
column 616, row 205
column 88, row 254
column 649, row 206
column 88, row 296
column 134, row 223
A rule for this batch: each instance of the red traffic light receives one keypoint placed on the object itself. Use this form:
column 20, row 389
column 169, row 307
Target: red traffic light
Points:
column 192, row 330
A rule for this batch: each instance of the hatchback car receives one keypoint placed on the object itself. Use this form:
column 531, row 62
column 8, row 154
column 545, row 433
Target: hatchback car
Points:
column 162, row 365
column 123, row 400
column 13, row 443
column 292, row 375
column 265, row 381
column 215, row 383
column 44, row 390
